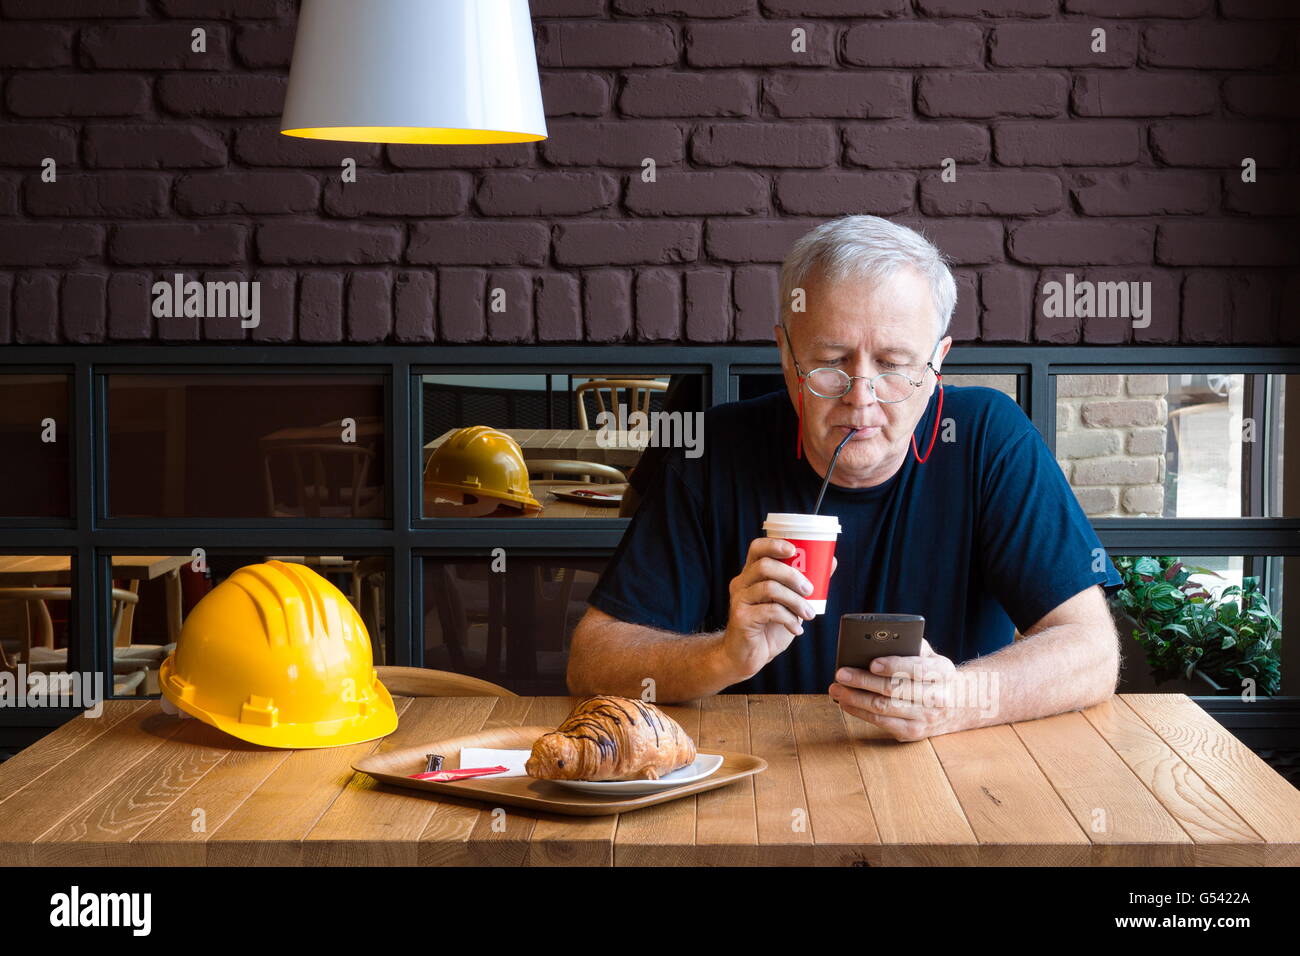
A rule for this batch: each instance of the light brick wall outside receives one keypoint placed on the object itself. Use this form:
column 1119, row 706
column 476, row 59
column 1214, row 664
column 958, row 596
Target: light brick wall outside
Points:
column 1110, row 441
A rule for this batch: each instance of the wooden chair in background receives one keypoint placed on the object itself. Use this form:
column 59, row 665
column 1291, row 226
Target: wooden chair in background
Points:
column 318, row 491
column 609, row 393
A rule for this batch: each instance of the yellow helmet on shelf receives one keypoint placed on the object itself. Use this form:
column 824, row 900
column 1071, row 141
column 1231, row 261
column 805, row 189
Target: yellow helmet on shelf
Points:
column 277, row 656
column 481, row 462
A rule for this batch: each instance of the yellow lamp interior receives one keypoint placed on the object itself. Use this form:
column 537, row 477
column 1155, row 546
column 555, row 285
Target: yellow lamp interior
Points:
column 412, row 134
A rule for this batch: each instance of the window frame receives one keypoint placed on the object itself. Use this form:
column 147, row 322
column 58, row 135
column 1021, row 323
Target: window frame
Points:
column 406, row 537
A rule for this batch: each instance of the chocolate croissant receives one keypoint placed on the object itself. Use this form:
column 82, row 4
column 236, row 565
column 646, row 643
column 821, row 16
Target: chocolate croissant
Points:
column 612, row 738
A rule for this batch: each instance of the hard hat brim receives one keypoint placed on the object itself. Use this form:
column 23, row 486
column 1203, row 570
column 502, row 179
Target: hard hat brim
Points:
column 380, row 722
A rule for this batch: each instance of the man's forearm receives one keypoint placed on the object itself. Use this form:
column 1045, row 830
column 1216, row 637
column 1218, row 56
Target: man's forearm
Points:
column 1049, row 672
column 614, row 657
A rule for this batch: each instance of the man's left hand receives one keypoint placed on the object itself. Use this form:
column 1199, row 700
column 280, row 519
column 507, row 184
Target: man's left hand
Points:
column 909, row 698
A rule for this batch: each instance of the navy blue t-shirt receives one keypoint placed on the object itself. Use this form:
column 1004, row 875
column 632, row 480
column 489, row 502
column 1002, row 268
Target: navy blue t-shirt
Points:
column 984, row 535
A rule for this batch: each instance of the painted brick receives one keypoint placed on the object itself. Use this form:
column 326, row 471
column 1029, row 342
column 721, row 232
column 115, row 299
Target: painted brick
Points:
column 1136, row 94
column 707, row 298
column 607, row 305
column 154, row 147
column 1138, row 193
column 558, row 308
column 988, row 8
column 1066, row 144
column 279, row 306
column 686, row 8
column 37, row 94
column 478, row 243
column 48, row 245
column 262, row 145
column 73, row 9
column 262, row 46
column 844, row 193
column 619, row 243
column 414, row 307
column 860, row 95
column 1206, row 46
column 235, row 95
column 1225, row 243
column 36, row 308
column 1213, row 143
column 1081, row 243
column 515, row 323
column 753, row 240
column 575, row 94
column 325, row 243
column 991, row 94
column 668, row 93
column 130, row 306
column 399, row 194
column 459, row 157
column 613, row 144
column 178, row 243
column 605, row 44
column 31, row 46
column 1261, row 95
column 247, row 193
column 28, row 144
column 1139, row 8
column 83, row 307
column 754, row 144
column 461, row 315
column 544, row 193
column 914, row 44
column 886, row 146
column 96, row 195
column 698, row 194
column 758, row 44
column 320, row 307
column 166, row 46
column 369, row 313
column 755, row 291
column 658, row 305
column 1007, row 304
column 992, row 194
column 1062, row 45
column 835, row 8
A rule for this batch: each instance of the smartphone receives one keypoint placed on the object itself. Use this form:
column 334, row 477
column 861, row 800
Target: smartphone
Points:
column 864, row 637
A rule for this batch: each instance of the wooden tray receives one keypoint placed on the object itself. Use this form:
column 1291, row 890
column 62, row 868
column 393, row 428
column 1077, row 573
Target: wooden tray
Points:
column 392, row 767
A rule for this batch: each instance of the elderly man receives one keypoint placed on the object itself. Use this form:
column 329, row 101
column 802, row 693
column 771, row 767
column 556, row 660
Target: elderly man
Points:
column 978, row 532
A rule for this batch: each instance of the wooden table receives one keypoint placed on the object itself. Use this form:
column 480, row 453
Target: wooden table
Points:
column 55, row 570
column 1140, row 780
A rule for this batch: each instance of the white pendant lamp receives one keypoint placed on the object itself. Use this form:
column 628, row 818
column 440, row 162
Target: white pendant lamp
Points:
column 414, row 71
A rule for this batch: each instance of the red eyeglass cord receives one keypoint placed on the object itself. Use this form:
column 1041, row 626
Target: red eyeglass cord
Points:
column 934, row 434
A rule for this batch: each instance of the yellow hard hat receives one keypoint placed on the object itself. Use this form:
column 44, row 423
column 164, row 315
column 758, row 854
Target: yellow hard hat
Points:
column 482, row 462
column 276, row 655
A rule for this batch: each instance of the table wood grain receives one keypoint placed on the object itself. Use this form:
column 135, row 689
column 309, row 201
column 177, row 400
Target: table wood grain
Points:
column 1142, row 779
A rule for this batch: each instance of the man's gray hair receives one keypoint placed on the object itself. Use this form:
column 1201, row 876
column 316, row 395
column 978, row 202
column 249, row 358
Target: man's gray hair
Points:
column 868, row 247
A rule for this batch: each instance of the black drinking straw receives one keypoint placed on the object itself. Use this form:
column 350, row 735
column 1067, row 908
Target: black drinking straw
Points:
column 827, row 480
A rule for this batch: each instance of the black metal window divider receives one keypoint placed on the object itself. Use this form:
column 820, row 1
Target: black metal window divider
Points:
column 406, row 538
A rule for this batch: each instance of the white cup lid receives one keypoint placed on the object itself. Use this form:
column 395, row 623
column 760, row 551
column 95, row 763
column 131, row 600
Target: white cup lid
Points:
column 790, row 523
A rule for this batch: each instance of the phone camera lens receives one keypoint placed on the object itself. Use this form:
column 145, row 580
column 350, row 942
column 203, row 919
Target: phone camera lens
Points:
column 882, row 635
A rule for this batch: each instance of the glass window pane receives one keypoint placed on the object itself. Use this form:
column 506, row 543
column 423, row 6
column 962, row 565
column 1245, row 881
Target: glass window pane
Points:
column 245, row 446
column 37, row 598
column 511, row 627
column 1175, row 613
column 35, row 446
column 153, row 594
column 1179, row 445
column 590, row 443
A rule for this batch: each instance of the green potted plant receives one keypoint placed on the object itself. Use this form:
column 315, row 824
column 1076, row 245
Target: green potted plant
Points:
column 1222, row 638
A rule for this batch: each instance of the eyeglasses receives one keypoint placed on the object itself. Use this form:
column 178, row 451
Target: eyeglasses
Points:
column 887, row 387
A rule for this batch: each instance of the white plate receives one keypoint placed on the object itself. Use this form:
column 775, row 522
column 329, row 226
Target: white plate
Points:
column 705, row 765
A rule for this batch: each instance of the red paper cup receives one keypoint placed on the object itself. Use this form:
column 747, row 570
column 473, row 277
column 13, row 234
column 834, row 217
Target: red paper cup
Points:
column 813, row 537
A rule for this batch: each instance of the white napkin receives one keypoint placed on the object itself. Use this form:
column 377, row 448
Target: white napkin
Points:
column 512, row 760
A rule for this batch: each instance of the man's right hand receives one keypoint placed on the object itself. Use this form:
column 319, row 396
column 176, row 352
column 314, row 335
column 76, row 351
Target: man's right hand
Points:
column 768, row 607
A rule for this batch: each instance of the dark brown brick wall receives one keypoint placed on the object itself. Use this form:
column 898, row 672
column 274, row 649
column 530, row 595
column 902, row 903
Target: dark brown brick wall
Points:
column 1115, row 165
